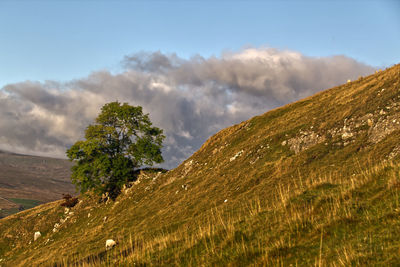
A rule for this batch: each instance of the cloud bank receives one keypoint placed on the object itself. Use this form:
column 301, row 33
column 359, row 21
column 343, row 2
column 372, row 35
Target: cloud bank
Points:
column 190, row 99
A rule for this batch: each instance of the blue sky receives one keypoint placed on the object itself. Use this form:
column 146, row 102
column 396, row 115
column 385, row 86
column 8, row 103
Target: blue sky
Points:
column 64, row 40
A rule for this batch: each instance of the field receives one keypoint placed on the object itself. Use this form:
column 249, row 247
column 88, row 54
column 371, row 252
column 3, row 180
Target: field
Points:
column 29, row 180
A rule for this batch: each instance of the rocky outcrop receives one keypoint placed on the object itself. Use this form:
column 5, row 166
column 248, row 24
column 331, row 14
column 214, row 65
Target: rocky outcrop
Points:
column 304, row 140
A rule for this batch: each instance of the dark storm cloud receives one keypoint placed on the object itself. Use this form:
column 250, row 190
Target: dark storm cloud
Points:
column 190, row 99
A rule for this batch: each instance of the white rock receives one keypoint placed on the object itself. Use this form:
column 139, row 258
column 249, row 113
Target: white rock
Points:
column 36, row 236
column 110, row 244
column 347, row 135
column 225, row 200
column 88, row 215
column 236, row 155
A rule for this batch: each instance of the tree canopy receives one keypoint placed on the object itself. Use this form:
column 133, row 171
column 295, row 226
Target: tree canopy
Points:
column 122, row 140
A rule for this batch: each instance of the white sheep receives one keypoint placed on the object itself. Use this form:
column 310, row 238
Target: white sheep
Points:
column 110, row 244
column 36, row 236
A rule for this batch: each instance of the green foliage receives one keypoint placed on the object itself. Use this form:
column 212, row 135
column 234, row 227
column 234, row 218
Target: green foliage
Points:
column 122, row 140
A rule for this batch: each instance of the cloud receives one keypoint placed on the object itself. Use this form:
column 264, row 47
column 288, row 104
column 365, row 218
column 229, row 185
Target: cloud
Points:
column 190, row 99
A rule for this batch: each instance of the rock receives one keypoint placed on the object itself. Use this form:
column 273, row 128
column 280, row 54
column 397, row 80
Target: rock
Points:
column 238, row 154
column 347, row 135
column 304, row 141
column 89, row 215
column 226, row 200
column 394, row 152
column 36, row 236
column 110, row 243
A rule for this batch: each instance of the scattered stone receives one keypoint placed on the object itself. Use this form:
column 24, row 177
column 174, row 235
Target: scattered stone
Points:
column 255, row 160
column 383, row 127
column 110, row 243
column 89, row 215
column 36, row 236
column 304, row 140
column 226, row 200
column 188, row 167
column 346, row 135
column 238, row 154
column 394, row 152
column 158, row 175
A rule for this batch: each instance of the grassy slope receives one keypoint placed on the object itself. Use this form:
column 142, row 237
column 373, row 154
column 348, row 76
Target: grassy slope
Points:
column 335, row 202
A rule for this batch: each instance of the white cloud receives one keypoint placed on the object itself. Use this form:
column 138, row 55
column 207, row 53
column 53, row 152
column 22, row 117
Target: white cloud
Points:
column 189, row 99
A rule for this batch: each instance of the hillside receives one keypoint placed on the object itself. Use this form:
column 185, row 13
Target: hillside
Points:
column 316, row 182
column 26, row 181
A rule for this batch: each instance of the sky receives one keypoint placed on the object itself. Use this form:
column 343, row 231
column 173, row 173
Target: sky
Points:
column 195, row 66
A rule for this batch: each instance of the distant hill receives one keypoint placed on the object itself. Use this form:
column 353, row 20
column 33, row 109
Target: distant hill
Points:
column 26, row 181
column 313, row 183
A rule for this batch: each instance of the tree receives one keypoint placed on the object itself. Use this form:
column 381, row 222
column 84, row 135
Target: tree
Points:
column 122, row 140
